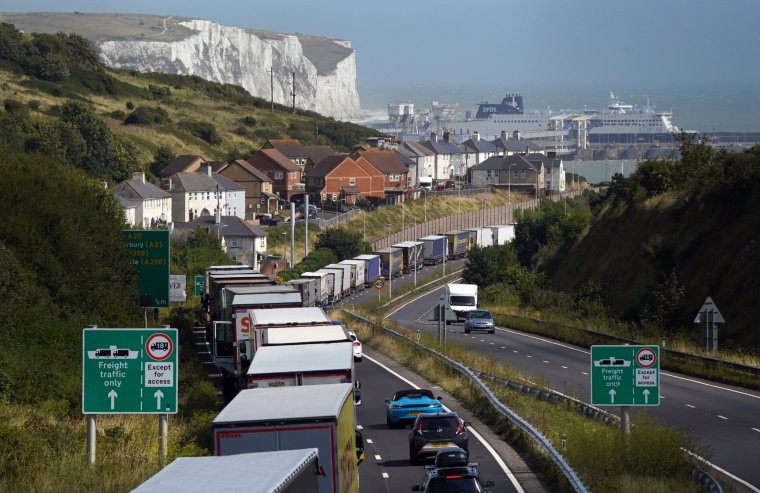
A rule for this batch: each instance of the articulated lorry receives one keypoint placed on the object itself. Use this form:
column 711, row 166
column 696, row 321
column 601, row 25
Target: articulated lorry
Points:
column 411, row 253
column 371, row 267
column 391, row 262
column 461, row 298
column 459, row 243
column 291, row 418
column 433, row 249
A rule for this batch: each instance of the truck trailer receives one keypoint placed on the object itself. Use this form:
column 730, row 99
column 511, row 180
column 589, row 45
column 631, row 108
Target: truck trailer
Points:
column 359, row 278
column 285, row 471
column 294, row 418
column 391, row 262
column 433, row 249
column 302, row 364
column 371, row 267
column 458, row 243
column 503, row 233
column 411, row 254
column 325, row 286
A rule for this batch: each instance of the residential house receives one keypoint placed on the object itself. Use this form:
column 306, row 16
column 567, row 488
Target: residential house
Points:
column 554, row 171
column 423, row 157
column 517, row 145
column 184, row 163
column 259, row 198
column 243, row 242
column 285, row 175
column 299, row 154
column 447, row 156
column 338, row 179
column 205, row 194
column 477, row 150
column 514, row 173
column 145, row 205
column 393, row 170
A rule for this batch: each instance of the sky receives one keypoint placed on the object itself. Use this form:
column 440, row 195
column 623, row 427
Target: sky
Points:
column 511, row 45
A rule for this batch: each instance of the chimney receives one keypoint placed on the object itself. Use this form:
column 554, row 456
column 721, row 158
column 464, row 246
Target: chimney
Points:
column 434, row 137
column 447, row 136
column 476, row 136
column 504, row 134
column 516, row 134
column 206, row 168
column 551, row 154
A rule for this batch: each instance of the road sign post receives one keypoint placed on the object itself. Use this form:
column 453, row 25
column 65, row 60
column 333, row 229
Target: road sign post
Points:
column 709, row 315
column 625, row 375
column 200, row 283
column 129, row 371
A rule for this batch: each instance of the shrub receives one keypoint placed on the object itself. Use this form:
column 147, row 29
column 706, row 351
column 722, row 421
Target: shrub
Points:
column 147, row 116
column 241, row 131
column 130, row 105
column 204, row 131
column 34, row 104
column 117, row 115
column 14, row 106
column 249, row 121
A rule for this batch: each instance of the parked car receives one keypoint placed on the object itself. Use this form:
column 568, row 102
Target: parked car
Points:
column 450, row 184
column 452, row 473
column 440, row 188
column 407, row 404
column 357, row 346
column 433, row 433
column 479, row 320
column 268, row 220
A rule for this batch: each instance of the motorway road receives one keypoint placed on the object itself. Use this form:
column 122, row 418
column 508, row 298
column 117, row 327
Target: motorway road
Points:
column 724, row 420
column 387, row 467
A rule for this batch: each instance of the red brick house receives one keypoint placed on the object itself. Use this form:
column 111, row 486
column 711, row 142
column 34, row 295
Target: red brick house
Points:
column 394, row 172
column 338, row 179
column 285, row 176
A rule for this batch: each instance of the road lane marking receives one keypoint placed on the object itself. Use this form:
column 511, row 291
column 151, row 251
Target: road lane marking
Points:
column 755, row 429
column 369, row 440
column 689, row 405
column 547, row 362
column 584, row 373
column 360, row 427
column 385, row 475
column 529, row 356
column 503, row 347
column 378, row 458
column 722, row 417
column 563, row 366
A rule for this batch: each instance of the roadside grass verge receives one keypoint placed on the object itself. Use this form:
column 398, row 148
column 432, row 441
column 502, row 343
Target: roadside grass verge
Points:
column 652, row 460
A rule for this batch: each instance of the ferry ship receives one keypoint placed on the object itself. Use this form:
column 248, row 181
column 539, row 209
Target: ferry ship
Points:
column 619, row 123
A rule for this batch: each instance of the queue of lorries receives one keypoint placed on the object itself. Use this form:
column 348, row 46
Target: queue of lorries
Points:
column 288, row 369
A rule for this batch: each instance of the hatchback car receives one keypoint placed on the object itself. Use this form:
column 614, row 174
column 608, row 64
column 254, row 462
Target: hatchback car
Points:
column 452, row 473
column 479, row 320
column 433, row 433
column 407, row 404
column 357, row 344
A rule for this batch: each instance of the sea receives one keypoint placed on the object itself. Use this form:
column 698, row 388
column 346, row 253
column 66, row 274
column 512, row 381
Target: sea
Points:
column 701, row 107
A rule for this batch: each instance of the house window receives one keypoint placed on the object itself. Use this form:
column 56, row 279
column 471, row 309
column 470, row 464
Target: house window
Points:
column 278, row 175
column 515, row 173
column 263, row 200
column 334, row 197
column 352, row 181
column 523, row 174
column 233, row 243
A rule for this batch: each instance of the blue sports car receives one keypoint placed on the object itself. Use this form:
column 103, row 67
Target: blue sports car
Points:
column 407, row 404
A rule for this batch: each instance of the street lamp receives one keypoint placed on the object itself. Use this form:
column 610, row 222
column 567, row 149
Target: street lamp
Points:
column 286, row 248
column 425, row 190
column 483, row 208
column 390, row 265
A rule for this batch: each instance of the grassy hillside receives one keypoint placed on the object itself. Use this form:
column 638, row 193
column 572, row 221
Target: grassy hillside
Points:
column 676, row 247
column 186, row 115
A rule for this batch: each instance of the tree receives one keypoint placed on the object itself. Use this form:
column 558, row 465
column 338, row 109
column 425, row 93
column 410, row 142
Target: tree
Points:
column 487, row 266
column 161, row 159
column 346, row 243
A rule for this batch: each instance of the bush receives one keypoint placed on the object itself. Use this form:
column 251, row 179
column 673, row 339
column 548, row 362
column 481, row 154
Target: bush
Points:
column 34, row 104
column 147, row 116
column 204, row 131
column 249, row 121
column 241, row 131
column 117, row 115
column 130, row 105
column 14, row 106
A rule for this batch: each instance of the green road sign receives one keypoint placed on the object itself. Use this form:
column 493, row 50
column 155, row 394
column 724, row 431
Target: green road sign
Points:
column 149, row 251
column 129, row 371
column 200, row 281
column 625, row 375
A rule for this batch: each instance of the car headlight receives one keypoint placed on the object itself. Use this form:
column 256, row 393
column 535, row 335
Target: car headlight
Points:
column 434, row 405
column 395, row 406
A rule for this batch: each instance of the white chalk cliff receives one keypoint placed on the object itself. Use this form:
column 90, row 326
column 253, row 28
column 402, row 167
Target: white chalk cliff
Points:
column 325, row 69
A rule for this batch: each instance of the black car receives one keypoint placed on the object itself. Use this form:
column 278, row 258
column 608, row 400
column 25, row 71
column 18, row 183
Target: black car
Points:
column 433, row 433
column 452, row 473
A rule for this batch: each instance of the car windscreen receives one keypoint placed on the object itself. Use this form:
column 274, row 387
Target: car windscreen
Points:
column 480, row 314
column 413, row 394
column 462, row 300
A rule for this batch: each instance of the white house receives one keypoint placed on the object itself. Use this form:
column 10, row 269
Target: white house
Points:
column 424, row 159
column 145, row 205
column 554, row 171
column 202, row 193
column 477, row 150
column 448, row 157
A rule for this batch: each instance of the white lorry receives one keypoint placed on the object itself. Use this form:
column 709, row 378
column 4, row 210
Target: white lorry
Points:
column 302, row 364
column 461, row 298
column 291, row 418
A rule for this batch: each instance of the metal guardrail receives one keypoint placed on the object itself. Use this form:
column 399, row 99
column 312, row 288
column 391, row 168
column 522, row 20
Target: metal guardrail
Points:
column 526, row 427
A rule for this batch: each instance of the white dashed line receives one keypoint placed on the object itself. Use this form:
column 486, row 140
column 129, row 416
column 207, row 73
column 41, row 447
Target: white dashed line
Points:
column 563, row 366
column 584, row 373
column 360, row 427
column 385, row 475
column 529, row 356
column 755, row 429
column 492, row 344
column 547, row 362
column 369, row 440
column 722, row 417
column 378, row 458
column 689, row 405
column 503, row 347
column 515, row 351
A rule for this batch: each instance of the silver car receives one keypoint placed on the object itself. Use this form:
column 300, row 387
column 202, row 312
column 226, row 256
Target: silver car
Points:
column 479, row 320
